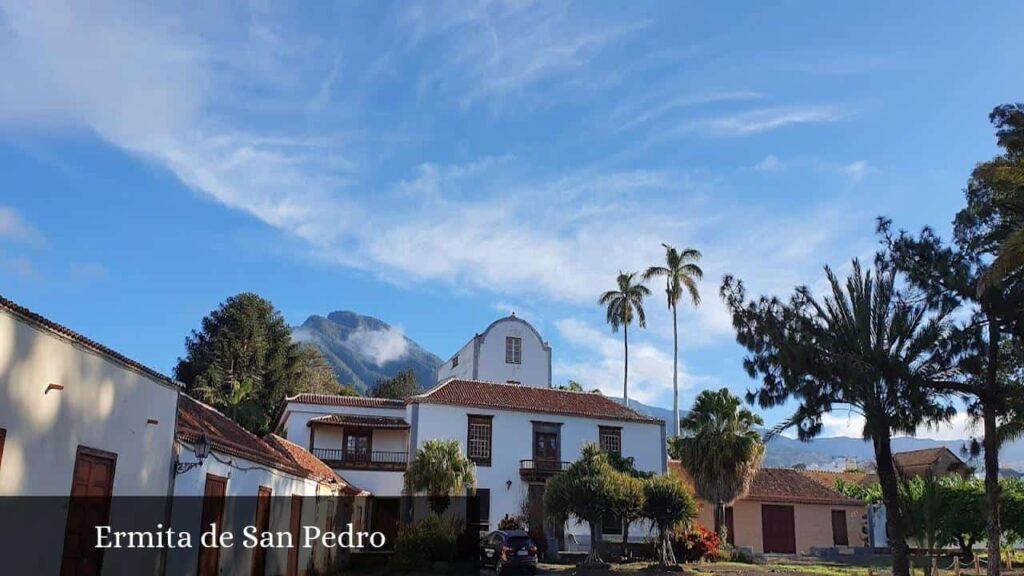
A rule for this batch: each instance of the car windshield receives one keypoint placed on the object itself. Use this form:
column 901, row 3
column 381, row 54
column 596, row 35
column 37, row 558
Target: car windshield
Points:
column 517, row 542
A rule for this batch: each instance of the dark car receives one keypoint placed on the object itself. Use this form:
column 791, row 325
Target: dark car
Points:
column 509, row 550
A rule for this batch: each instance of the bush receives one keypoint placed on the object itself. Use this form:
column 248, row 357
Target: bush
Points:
column 695, row 544
column 511, row 523
column 430, row 540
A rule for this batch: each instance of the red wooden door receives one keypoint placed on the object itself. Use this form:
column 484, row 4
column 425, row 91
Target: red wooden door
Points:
column 92, row 484
column 262, row 524
column 213, row 513
column 778, row 529
column 295, row 528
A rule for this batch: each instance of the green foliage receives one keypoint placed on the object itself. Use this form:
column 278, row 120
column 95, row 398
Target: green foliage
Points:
column 720, row 448
column 872, row 494
column 1013, row 508
column 440, row 470
column 922, row 504
column 1003, row 177
column 588, row 490
column 962, row 518
column 430, row 540
column 668, row 504
column 400, row 387
column 242, row 361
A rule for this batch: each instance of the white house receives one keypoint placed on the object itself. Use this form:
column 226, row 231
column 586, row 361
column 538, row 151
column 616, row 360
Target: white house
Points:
column 519, row 431
column 509, row 350
column 76, row 418
column 235, row 480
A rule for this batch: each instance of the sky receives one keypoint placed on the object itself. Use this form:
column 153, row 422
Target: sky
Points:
column 439, row 165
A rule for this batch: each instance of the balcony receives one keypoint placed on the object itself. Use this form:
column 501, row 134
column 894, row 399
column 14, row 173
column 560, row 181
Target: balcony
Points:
column 375, row 460
column 540, row 470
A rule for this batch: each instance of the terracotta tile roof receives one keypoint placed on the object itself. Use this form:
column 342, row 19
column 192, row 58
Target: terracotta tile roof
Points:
column 45, row 323
column 924, row 457
column 337, row 400
column 362, row 421
column 315, row 467
column 828, row 479
column 782, row 485
column 196, row 418
column 521, row 398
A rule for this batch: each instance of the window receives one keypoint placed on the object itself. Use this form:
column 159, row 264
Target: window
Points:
column 839, row 535
column 478, row 440
column 610, row 439
column 513, row 350
column 455, row 361
column 358, row 443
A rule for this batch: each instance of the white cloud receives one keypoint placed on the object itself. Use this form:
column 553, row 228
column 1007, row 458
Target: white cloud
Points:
column 14, row 227
column 767, row 119
column 381, row 346
column 769, row 163
column 845, row 423
column 601, row 366
column 855, row 171
column 646, row 110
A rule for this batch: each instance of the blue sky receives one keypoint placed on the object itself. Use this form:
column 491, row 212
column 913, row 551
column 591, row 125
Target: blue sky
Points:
column 437, row 165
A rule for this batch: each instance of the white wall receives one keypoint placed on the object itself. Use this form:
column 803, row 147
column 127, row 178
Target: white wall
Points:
column 295, row 426
column 512, row 441
column 244, row 478
column 488, row 362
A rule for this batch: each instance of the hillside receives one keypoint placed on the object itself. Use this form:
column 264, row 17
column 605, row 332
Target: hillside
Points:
column 362, row 349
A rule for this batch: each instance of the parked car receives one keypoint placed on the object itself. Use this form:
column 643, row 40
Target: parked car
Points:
column 509, row 550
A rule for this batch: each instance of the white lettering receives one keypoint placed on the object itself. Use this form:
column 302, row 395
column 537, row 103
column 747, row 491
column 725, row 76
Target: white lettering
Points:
column 102, row 536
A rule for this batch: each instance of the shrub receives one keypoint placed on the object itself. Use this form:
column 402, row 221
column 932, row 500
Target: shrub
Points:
column 511, row 523
column 430, row 540
column 695, row 544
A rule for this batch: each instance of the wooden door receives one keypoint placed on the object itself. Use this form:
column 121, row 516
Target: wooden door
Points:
column 213, row 513
column 778, row 528
column 92, row 484
column 385, row 518
column 295, row 527
column 839, row 534
column 262, row 524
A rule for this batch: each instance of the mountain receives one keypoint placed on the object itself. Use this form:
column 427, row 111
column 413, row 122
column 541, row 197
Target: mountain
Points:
column 362, row 349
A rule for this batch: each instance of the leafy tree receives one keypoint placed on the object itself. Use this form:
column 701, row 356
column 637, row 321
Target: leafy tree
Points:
column 317, row 374
column 631, row 506
column 242, row 360
column 680, row 271
column 1013, row 505
column 1004, row 175
column 574, row 386
column 720, row 448
column 872, row 494
column 587, row 490
column 440, row 469
column 962, row 521
column 400, row 387
column 948, row 276
column 621, row 306
column 668, row 504
column 922, row 505
column 865, row 347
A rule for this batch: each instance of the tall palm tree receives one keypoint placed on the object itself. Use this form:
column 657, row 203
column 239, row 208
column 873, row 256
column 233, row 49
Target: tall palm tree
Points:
column 681, row 272
column 720, row 448
column 622, row 306
column 440, row 469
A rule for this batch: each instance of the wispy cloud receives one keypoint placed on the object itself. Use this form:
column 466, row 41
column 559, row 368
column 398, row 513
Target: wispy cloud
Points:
column 769, row 163
column 646, row 110
column 15, row 228
column 767, row 119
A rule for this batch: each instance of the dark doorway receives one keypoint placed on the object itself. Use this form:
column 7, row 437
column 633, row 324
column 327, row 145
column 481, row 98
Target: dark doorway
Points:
column 262, row 524
column 536, row 517
column 91, row 488
column 213, row 513
column 779, row 529
column 730, row 532
column 839, row 534
column 385, row 518
column 295, row 526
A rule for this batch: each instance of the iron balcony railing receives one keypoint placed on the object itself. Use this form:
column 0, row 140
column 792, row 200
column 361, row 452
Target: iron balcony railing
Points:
column 363, row 460
column 541, row 469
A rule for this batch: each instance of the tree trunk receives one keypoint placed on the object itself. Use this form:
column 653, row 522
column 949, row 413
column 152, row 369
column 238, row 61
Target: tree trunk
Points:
column 991, row 444
column 594, row 556
column 666, row 556
column 625, row 538
column 625, row 368
column 675, row 371
column 891, row 498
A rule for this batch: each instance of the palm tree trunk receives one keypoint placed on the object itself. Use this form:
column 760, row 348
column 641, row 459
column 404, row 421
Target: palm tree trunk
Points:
column 991, row 445
column 625, row 368
column 890, row 496
column 675, row 372
column 594, row 556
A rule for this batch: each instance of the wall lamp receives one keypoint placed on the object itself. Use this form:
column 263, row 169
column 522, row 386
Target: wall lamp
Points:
column 202, row 449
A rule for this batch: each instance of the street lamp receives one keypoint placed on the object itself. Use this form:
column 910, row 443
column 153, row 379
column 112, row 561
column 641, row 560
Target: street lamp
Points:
column 201, row 447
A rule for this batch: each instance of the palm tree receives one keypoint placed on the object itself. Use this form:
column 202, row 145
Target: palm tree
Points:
column 622, row 305
column 1010, row 249
column 680, row 271
column 440, row 469
column 720, row 448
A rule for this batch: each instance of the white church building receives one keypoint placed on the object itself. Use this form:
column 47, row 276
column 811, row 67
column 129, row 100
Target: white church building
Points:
column 495, row 398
